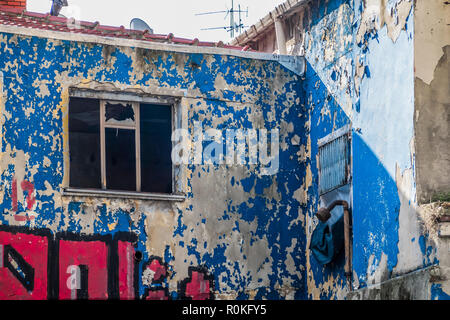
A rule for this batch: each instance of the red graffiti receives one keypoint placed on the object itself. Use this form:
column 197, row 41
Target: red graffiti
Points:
column 94, row 256
column 198, row 288
column 159, row 294
column 16, row 277
column 157, row 290
column 126, row 270
column 35, row 264
column 65, row 267
column 27, row 187
column 158, row 269
column 14, row 195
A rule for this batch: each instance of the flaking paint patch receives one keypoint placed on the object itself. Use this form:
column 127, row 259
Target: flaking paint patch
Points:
column 377, row 270
column 432, row 20
column 378, row 13
column 409, row 252
column 159, row 224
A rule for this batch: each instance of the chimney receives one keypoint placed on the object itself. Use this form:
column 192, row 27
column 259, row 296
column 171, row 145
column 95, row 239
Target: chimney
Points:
column 17, row 4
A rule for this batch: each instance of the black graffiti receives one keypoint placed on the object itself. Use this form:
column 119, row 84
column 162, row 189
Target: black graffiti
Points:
column 21, row 269
column 82, row 292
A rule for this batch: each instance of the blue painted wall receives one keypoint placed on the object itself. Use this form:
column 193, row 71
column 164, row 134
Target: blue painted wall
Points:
column 243, row 234
column 240, row 230
column 361, row 73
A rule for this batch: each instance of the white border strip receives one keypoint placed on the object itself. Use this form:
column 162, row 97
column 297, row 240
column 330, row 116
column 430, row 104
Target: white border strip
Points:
column 1, row 256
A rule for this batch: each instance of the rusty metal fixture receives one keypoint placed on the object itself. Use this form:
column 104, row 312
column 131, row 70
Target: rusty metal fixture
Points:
column 324, row 214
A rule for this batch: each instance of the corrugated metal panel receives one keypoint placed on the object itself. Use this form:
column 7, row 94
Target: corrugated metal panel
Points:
column 334, row 158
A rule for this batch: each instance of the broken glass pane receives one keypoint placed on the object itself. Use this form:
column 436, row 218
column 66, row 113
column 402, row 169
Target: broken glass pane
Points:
column 120, row 159
column 156, row 148
column 84, row 143
column 119, row 113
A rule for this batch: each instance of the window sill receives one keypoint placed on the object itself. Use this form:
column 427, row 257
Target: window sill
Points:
column 71, row 192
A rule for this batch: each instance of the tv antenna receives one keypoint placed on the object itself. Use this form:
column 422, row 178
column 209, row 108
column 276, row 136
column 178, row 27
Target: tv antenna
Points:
column 234, row 27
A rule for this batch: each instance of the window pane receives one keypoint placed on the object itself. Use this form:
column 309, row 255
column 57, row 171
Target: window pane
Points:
column 84, row 143
column 119, row 113
column 120, row 159
column 156, row 148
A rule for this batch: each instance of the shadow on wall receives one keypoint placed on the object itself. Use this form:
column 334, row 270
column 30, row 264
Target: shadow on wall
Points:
column 376, row 202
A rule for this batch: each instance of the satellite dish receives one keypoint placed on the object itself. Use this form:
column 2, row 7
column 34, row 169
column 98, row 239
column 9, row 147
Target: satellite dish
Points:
column 139, row 24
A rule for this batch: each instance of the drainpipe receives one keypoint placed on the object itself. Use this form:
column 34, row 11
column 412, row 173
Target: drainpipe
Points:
column 281, row 38
column 324, row 214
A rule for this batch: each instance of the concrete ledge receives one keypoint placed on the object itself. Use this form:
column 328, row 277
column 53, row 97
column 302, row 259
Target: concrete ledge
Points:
column 412, row 286
column 71, row 192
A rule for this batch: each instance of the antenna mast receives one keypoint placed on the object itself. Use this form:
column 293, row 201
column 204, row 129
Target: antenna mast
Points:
column 233, row 27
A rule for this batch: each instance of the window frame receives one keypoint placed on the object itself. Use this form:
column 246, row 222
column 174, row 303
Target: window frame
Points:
column 173, row 103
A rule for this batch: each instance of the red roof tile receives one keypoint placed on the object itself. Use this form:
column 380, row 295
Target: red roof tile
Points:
column 21, row 18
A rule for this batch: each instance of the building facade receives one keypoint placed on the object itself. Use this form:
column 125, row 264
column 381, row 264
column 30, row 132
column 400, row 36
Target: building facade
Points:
column 140, row 166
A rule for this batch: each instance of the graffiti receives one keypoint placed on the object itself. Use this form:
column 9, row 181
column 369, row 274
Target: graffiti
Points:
column 35, row 265
column 153, row 276
column 17, row 265
column 30, row 200
column 78, row 282
column 198, row 286
column 23, row 273
column 157, row 294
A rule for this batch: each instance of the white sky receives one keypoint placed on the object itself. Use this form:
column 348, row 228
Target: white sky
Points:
column 163, row 16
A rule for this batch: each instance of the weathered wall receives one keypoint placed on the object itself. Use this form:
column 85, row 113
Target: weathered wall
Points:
column 432, row 127
column 432, row 99
column 252, row 240
column 361, row 71
column 328, row 91
column 238, row 234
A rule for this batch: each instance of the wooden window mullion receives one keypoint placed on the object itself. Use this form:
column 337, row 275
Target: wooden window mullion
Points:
column 137, row 135
column 102, row 143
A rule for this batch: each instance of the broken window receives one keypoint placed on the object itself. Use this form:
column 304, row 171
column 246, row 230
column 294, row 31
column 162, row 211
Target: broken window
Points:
column 334, row 160
column 123, row 146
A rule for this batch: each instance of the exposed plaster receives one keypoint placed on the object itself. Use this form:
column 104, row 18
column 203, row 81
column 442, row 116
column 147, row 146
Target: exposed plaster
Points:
column 378, row 13
column 432, row 23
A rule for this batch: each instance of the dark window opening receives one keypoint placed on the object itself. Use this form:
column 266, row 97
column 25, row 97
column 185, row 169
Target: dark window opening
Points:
column 84, row 141
column 120, row 159
column 156, row 148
